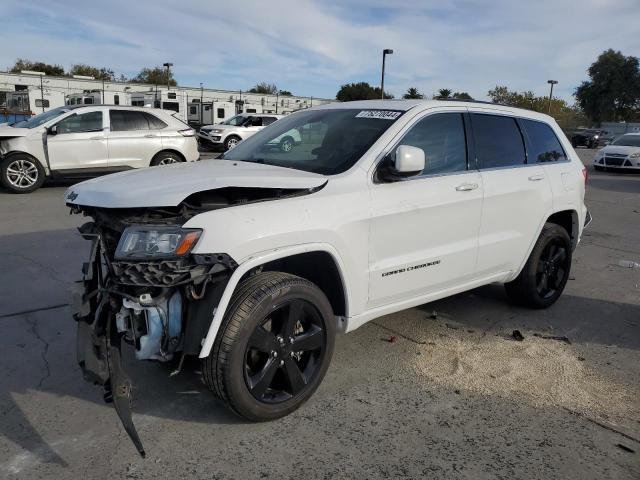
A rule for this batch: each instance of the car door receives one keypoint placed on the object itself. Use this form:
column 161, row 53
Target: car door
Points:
column 517, row 194
column 424, row 229
column 132, row 142
column 253, row 125
column 78, row 141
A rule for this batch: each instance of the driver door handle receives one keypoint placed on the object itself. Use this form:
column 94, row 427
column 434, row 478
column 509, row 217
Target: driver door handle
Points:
column 466, row 187
column 536, row 178
column 96, row 138
column 150, row 135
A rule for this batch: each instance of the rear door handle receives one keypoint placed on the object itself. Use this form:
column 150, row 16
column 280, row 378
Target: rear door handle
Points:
column 465, row 187
column 96, row 138
column 150, row 135
column 536, row 178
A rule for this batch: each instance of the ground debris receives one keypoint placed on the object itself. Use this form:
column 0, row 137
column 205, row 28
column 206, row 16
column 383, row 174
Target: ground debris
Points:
column 625, row 448
column 434, row 315
column 559, row 338
column 392, row 339
column 516, row 335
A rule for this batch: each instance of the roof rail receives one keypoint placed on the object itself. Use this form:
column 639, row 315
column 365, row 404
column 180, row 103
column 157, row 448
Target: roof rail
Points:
column 451, row 99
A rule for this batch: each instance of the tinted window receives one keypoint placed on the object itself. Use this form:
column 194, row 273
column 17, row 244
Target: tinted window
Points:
column 124, row 120
column 220, row 113
column 193, row 110
column 268, row 120
column 498, row 141
column 256, row 121
column 85, row 122
column 116, row 99
column 154, row 122
column 544, row 146
column 175, row 106
column 442, row 138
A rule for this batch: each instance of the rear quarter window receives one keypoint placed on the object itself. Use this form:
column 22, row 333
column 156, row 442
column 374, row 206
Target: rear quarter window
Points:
column 543, row 145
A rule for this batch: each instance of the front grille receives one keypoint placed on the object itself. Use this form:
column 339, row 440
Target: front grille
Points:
column 613, row 162
column 163, row 273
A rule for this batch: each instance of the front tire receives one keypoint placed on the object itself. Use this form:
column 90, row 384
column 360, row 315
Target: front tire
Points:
column 21, row 173
column 546, row 272
column 286, row 144
column 231, row 141
column 273, row 348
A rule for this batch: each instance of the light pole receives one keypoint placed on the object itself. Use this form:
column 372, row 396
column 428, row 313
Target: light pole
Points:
column 552, row 83
column 385, row 52
column 201, row 104
column 168, row 65
column 41, row 94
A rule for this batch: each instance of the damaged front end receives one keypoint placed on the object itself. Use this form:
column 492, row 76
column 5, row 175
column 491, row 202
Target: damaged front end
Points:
column 142, row 286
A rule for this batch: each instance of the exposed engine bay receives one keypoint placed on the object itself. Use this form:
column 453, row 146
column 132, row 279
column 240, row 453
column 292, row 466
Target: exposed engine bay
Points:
column 143, row 286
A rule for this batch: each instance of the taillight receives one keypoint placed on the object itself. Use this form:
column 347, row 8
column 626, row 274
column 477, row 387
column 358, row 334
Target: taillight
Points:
column 585, row 174
column 189, row 132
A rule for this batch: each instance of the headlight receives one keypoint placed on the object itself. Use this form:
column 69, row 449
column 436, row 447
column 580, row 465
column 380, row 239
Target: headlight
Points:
column 215, row 130
column 151, row 242
column 635, row 155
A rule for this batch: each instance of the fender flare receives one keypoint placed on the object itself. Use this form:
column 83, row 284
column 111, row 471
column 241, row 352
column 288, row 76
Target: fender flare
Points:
column 253, row 262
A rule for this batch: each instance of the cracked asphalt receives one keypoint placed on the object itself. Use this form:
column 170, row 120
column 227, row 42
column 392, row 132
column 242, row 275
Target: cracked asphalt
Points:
column 438, row 391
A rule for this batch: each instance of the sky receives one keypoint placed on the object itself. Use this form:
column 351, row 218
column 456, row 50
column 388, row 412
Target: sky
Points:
column 311, row 47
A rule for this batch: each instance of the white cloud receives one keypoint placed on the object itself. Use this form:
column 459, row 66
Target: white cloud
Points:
column 311, row 47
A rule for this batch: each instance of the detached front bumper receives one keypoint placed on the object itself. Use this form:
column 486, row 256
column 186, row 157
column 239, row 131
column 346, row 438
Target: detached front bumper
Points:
column 159, row 308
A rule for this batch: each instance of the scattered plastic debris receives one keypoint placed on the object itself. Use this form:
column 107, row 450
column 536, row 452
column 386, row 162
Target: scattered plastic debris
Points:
column 559, row 338
column 516, row 335
column 434, row 315
column 581, row 359
column 392, row 339
column 625, row 448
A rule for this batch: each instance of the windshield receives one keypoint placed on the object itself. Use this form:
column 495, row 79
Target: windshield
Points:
column 236, row 121
column 42, row 118
column 628, row 141
column 319, row 141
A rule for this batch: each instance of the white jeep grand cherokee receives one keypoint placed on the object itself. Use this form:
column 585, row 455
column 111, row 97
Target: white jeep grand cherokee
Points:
column 255, row 261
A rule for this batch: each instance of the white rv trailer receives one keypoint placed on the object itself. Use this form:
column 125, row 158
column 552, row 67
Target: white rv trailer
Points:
column 174, row 100
column 98, row 97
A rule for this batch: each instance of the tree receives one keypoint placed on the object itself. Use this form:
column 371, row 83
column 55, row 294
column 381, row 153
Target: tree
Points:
column 285, row 93
column 264, row 88
column 613, row 90
column 48, row 69
column 97, row 73
column 412, row 92
column 443, row 94
column 359, row 91
column 567, row 116
column 154, row 76
column 462, row 96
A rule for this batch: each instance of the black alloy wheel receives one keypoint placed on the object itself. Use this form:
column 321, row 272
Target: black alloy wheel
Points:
column 552, row 269
column 285, row 351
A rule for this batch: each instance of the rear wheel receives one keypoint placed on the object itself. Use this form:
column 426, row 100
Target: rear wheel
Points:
column 546, row 272
column 21, row 173
column 274, row 346
column 166, row 158
column 286, row 144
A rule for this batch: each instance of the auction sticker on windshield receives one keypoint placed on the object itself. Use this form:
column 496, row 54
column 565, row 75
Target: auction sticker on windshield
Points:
column 381, row 114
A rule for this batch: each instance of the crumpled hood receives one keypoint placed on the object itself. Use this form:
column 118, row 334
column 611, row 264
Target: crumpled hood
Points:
column 168, row 185
column 10, row 132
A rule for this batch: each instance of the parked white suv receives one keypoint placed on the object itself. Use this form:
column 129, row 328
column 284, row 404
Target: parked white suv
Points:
column 255, row 261
column 84, row 141
column 232, row 131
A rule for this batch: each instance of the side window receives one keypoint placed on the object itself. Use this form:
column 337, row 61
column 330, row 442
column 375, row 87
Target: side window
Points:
column 85, row 122
column 126, row 120
column 268, row 120
column 193, row 110
column 220, row 113
column 498, row 141
column 442, row 138
column 256, row 121
column 116, row 99
column 543, row 146
column 154, row 122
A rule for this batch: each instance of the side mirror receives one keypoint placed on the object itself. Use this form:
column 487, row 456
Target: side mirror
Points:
column 409, row 161
column 53, row 130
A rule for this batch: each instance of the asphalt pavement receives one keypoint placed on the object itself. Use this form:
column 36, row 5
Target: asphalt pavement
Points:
column 438, row 391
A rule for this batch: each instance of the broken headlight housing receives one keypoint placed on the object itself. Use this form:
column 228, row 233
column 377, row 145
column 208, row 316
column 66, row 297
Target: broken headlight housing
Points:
column 156, row 242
